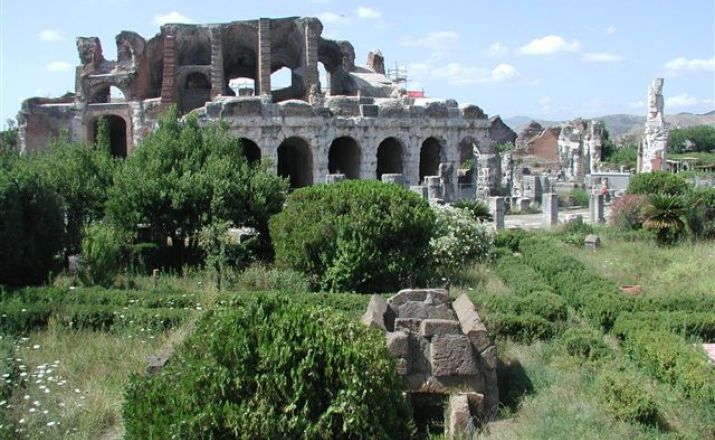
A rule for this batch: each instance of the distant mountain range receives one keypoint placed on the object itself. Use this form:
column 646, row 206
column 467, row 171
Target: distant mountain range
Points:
column 622, row 125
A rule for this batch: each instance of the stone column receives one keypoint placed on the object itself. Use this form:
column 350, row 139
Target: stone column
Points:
column 264, row 57
column 496, row 207
column 434, row 189
column 217, row 76
column 168, row 89
column 311, row 59
column 550, row 208
column 595, row 207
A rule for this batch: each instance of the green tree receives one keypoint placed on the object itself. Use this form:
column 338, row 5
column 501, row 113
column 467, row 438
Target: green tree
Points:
column 700, row 138
column 666, row 215
column 102, row 251
column 31, row 226
column 184, row 177
column 658, row 182
column 9, row 137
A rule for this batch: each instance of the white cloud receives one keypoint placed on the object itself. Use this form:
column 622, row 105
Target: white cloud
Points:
column 369, row 13
column 682, row 100
column 549, row 45
column 332, row 17
column 59, row 66
column 682, row 65
column 602, row 57
column 432, row 40
column 610, row 30
column 496, row 49
column 50, row 36
column 171, row 17
column 459, row 74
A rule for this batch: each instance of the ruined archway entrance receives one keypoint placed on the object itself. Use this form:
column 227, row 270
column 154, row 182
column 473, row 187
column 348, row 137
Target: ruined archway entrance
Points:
column 116, row 134
column 295, row 161
column 250, row 150
column 344, row 157
column 196, row 91
column 430, row 157
column 467, row 159
column 389, row 157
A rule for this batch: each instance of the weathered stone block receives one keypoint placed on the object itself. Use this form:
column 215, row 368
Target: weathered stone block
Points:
column 430, row 296
column 369, row 111
column 472, row 325
column 489, row 357
column 374, row 316
column 439, row 327
column 460, row 418
column 413, row 309
column 452, row 355
column 441, row 311
column 398, row 343
column 592, row 241
column 409, row 325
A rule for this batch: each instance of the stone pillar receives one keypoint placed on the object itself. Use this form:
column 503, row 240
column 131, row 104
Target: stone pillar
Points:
column 550, row 208
column 392, row 178
column 496, row 207
column 168, row 89
column 334, row 178
column 217, row 76
column 461, row 424
column 524, row 204
column 434, row 189
column 263, row 84
column 312, row 79
column 595, row 207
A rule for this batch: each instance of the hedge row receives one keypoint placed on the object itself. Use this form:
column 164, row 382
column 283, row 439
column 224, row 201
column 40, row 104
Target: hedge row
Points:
column 100, row 296
column 598, row 298
column 523, row 328
column 692, row 302
column 547, row 305
column 352, row 304
column 522, row 279
column 18, row 319
column 673, row 360
column 688, row 324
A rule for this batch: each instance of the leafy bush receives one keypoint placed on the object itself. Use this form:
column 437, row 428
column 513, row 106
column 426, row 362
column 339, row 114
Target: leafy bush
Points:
column 657, row 182
column 272, row 370
column 522, row 279
column 627, row 212
column 686, row 323
column 625, row 397
column 700, row 138
column 575, row 232
column 579, row 196
column 584, row 342
column 31, row 226
column 522, row 328
column 259, row 277
column 458, row 239
column 101, row 255
column 478, row 210
column 665, row 215
column 510, row 238
column 359, row 235
column 701, row 213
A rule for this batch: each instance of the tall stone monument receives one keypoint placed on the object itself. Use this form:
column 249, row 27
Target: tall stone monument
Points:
column 651, row 154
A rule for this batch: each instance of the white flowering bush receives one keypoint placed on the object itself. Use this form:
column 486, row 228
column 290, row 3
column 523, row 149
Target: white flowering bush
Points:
column 458, row 239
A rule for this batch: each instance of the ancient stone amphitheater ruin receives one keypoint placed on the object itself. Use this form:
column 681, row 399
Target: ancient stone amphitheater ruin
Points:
column 358, row 123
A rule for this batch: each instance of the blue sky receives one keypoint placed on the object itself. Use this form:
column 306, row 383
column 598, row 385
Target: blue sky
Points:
column 551, row 59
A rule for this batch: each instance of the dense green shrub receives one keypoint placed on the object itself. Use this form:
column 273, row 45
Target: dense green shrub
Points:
column 700, row 138
column 575, row 232
column 260, row 277
column 626, row 398
column 673, row 360
column 692, row 302
column 522, row 279
column 270, row 369
column 580, row 197
column 522, row 328
column 31, row 226
column 359, row 235
column 701, row 213
column 627, row 212
column 657, row 182
column 478, row 210
column 547, row 305
column 102, row 251
column 584, row 342
column 510, row 238
column 686, row 323
column 57, row 297
column 458, row 239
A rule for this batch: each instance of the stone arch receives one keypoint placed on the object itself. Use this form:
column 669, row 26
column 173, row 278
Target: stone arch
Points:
column 100, row 93
column 118, row 131
column 431, row 154
column 390, row 155
column 344, row 157
column 467, row 156
column 195, row 91
column 295, row 161
column 251, row 150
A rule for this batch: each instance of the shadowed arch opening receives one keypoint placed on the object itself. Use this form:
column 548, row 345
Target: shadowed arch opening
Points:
column 389, row 157
column 344, row 157
column 116, row 134
column 196, row 91
column 250, row 150
column 430, row 157
column 467, row 159
column 295, row 161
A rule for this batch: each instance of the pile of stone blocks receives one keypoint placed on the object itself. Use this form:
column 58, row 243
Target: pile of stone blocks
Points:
column 441, row 348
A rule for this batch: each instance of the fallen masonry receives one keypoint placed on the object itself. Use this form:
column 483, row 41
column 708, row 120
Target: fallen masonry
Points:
column 441, row 349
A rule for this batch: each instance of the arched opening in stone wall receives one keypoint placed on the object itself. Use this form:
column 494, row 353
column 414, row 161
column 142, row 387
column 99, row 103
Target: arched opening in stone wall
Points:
column 389, row 157
column 344, row 157
column 430, row 157
column 250, row 150
column 295, row 161
column 467, row 159
column 240, row 62
column 116, row 134
column 116, row 95
column 196, row 91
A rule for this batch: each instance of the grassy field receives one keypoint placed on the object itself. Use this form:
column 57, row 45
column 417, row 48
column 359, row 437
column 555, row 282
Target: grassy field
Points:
column 68, row 383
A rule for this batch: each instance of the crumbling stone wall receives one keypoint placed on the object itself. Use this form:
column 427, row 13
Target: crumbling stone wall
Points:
column 653, row 147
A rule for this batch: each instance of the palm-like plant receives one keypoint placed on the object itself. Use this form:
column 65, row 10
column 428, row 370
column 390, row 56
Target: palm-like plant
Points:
column 479, row 211
column 665, row 215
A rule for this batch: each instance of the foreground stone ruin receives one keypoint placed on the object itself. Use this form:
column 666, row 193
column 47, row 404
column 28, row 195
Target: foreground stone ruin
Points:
column 357, row 123
column 442, row 349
